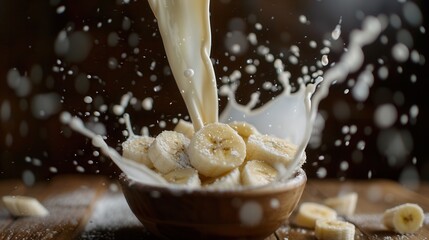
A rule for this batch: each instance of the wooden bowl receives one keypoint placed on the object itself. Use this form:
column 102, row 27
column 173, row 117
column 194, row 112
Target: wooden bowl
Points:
column 244, row 213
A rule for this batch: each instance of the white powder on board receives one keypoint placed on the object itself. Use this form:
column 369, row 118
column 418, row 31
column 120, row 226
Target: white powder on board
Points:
column 111, row 212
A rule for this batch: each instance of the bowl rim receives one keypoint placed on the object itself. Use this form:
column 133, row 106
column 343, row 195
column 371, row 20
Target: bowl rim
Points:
column 299, row 179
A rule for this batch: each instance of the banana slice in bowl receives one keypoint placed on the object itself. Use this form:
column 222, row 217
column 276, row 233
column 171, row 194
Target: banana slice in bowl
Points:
column 216, row 190
column 216, row 149
column 168, row 151
column 136, row 148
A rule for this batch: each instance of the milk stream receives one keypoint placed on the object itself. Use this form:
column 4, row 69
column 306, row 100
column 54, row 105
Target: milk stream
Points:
column 185, row 30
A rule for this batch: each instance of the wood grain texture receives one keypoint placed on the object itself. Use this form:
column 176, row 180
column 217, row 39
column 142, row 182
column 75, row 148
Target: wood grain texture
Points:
column 86, row 208
column 69, row 200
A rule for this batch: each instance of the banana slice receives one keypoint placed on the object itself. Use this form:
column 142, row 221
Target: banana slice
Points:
column 136, row 148
column 229, row 180
column 21, row 206
column 405, row 218
column 167, row 152
column 309, row 212
column 243, row 129
column 186, row 128
column 328, row 229
column 270, row 149
column 344, row 204
column 216, row 149
column 184, row 176
column 257, row 172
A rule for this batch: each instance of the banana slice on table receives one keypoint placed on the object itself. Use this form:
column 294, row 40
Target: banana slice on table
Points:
column 21, row 206
column 405, row 218
column 136, row 148
column 271, row 149
column 186, row 128
column 167, row 152
column 257, row 172
column 309, row 213
column 243, row 129
column 344, row 204
column 216, row 149
column 229, row 180
column 184, row 176
column 331, row 229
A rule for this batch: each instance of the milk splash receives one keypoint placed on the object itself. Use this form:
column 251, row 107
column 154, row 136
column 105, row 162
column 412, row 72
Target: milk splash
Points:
column 292, row 115
column 135, row 171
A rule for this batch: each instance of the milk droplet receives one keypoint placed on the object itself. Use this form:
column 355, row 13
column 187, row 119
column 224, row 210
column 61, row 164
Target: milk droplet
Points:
column 45, row 105
column 336, row 33
column 400, row 52
column 325, row 60
column 412, row 14
column 87, row 99
column 118, row 110
column 414, row 111
column 383, row 72
column 28, row 178
column 5, row 111
column 385, row 115
column 147, row 103
column 410, row 178
column 252, row 38
column 80, row 169
column 344, row 166
column 302, row 19
column 113, row 39
column 61, row 9
column 251, row 213
column 274, row 203
column 250, row 69
column 188, row 73
column 321, row 172
column 65, row 117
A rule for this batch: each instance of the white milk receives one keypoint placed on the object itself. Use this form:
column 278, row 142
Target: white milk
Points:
column 185, row 30
column 292, row 115
column 135, row 171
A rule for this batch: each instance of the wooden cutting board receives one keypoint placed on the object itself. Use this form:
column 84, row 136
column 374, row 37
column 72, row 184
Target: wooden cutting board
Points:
column 90, row 207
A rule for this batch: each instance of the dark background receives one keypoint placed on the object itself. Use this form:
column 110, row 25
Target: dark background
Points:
column 35, row 146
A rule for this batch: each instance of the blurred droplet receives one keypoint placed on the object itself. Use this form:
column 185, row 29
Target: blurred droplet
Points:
column 28, row 178
column 385, row 115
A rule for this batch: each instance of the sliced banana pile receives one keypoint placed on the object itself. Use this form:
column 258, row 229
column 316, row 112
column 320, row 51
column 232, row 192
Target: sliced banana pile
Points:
column 217, row 156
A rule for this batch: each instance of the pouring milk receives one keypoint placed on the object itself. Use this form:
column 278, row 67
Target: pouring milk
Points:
column 185, row 30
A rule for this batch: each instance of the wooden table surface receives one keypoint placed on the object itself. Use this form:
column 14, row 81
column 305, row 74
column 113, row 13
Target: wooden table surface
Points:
column 90, row 207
